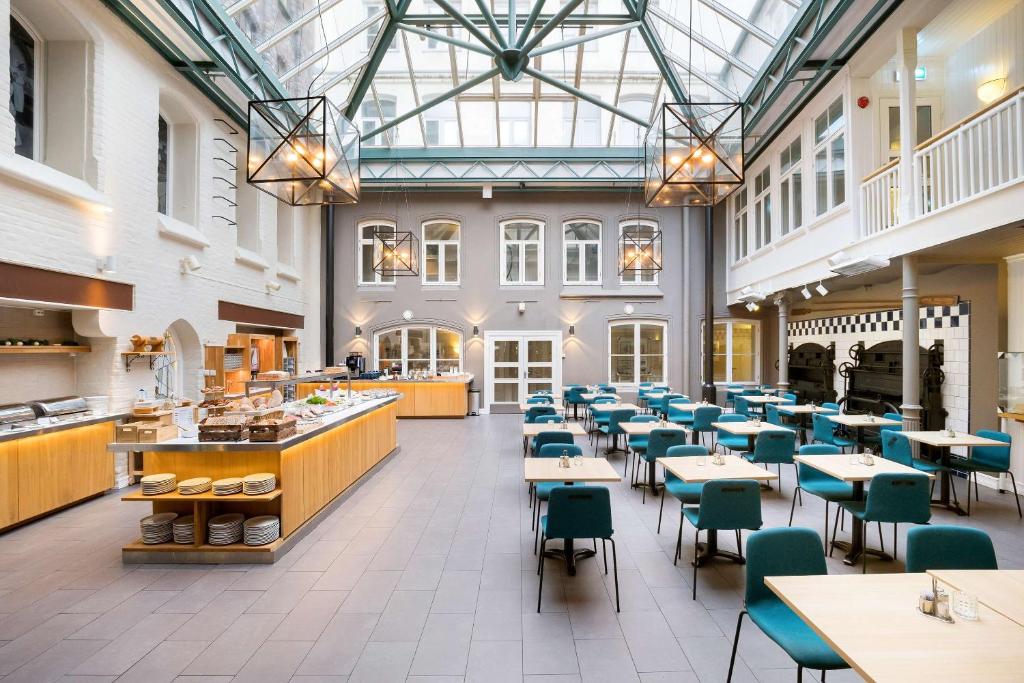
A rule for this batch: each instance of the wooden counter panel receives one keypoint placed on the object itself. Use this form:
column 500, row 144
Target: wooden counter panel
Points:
column 190, row 464
column 8, row 483
column 419, row 399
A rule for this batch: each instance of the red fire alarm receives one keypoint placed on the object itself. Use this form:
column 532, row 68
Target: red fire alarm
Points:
column 863, row 102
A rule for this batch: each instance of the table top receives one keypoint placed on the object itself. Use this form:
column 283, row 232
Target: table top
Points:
column 590, row 469
column 804, row 409
column 863, row 420
column 937, row 438
column 761, row 400
column 590, row 396
column 690, row 407
column 747, row 428
column 1001, row 590
column 640, row 428
column 607, row 407
column 840, row 467
column 557, row 406
column 873, row 623
column 535, row 428
column 689, row 469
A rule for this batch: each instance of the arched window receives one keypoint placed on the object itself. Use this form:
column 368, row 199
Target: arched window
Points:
column 581, row 252
column 373, row 116
column 26, row 77
column 367, row 253
column 522, row 252
column 418, row 348
column 637, row 351
column 627, row 133
column 441, row 240
column 644, row 233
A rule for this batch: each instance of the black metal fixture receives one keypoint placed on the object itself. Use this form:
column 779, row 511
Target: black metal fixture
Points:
column 640, row 249
column 476, row 330
column 395, row 252
column 572, row 330
column 303, row 151
column 359, row 331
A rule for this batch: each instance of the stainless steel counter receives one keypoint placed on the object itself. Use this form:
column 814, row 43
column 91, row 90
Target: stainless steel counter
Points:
column 59, row 427
column 330, row 421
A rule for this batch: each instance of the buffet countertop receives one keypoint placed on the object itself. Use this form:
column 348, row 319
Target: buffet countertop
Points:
column 192, row 444
column 464, row 378
column 11, row 435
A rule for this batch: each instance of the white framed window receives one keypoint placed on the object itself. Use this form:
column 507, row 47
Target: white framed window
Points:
column 581, row 252
column 791, row 204
column 418, row 348
column 441, row 239
column 163, row 164
column 373, row 113
column 627, row 133
column 522, row 252
column 637, row 351
column 373, row 8
column 763, row 208
column 26, row 83
column 830, row 158
column 247, row 211
column 736, row 351
column 740, row 244
column 642, row 232
column 581, row 123
column 442, row 124
column 367, row 252
column 177, row 164
column 514, row 126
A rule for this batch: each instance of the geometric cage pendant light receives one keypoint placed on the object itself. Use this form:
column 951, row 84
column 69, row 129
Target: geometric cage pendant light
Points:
column 395, row 252
column 303, row 151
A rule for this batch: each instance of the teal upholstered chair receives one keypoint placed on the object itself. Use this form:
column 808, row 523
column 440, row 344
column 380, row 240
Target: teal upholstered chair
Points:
column 536, row 410
column 687, row 494
column 741, row 407
column 829, row 405
column 555, row 435
column 599, row 418
column 637, row 444
column 897, row 447
column 548, row 419
column 606, row 389
column 817, row 483
column 725, row 505
column 824, row 432
column 732, row 442
column 895, row 499
column 676, row 414
column 949, row 547
column 989, row 459
column 784, row 552
column 703, row 419
column 542, row 490
column 541, row 399
column 790, row 399
column 731, row 392
column 574, row 398
column 664, row 403
column 613, row 429
column 578, row 512
column 657, row 447
column 776, row 448
column 773, row 417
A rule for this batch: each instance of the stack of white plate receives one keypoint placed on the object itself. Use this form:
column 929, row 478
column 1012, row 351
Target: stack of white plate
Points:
column 262, row 530
column 255, row 484
column 192, row 486
column 184, row 532
column 225, row 529
column 227, row 487
column 155, row 484
column 157, row 528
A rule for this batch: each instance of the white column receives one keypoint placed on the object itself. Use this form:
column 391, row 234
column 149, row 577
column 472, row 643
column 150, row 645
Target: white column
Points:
column 1014, row 342
column 783, row 303
column 911, row 408
column 906, row 62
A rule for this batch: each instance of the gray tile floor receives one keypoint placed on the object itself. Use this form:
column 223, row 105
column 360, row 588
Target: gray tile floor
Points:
column 425, row 574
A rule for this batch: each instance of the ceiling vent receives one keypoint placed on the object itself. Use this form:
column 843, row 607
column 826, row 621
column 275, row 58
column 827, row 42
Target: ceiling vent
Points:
column 840, row 264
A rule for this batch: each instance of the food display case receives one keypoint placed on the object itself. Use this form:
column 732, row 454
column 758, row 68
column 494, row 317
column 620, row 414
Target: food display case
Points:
column 1010, row 369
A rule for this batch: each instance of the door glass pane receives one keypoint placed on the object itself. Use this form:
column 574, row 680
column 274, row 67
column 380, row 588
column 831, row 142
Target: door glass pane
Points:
column 506, row 392
column 432, row 263
column 451, row 263
column 538, row 351
column 534, row 387
column 718, row 349
column 591, row 262
column 506, row 373
column 389, row 345
column 742, row 369
column 838, row 171
column 622, row 369
column 798, row 203
column 539, row 372
column 742, row 338
column 448, row 344
column 622, row 340
column 572, row 263
column 511, row 263
column 532, row 265
column 366, row 274
column 924, row 122
column 419, row 343
column 894, row 130
column 506, row 351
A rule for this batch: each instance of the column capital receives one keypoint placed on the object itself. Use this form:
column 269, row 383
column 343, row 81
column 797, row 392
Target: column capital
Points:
column 781, row 300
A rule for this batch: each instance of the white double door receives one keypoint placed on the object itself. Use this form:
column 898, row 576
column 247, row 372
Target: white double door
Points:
column 518, row 364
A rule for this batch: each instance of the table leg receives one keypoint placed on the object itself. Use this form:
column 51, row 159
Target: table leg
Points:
column 709, row 549
column 526, row 440
column 568, row 554
column 694, row 437
column 945, row 482
column 803, row 429
column 855, row 546
column 751, row 442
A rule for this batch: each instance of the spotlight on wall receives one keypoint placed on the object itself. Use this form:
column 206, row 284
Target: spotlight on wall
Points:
column 572, row 330
column 189, row 264
column 476, row 330
column 628, row 309
column 521, row 307
column 359, row 331
column 821, row 289
column 107, row 264
column 407, row 314
column 752, row 307
column 273, row 286
column 806, row 293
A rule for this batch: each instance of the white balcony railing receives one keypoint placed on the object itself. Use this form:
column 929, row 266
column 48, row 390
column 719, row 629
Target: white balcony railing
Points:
column 981, row 153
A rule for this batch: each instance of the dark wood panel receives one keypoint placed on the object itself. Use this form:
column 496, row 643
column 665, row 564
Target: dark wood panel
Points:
column 39, row 284
column 252, row 315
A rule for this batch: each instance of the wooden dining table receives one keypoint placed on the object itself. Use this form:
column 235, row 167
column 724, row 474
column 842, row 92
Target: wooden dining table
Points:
column 532, row 429
column 1001, row 590
column 942, row 443
column 698, row 469
column 583, row 470
column 559, row 408
column 749, row 429
column 872, row 622
column 644, row 429
column 859, row 423
column 856, row 474
column 803, row 413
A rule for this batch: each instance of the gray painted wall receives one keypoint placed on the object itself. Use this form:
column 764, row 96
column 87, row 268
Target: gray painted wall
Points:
column 481, row 301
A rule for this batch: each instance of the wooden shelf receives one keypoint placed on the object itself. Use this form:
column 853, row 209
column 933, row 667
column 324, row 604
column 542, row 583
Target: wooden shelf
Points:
column 204, row 548
column 206, row 496
column 53, row 348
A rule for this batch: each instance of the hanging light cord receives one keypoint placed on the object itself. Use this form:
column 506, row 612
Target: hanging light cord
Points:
column 327, row 59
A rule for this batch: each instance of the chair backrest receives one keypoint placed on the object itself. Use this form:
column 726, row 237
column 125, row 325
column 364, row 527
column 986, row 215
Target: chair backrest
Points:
column 730, row 504
column 646, row 385
column 904, row 498
column 555, row 450
column 644, row 418
column 606, row 389
column 574, row 394
column 605, row 399
column 554, row 436
column 543, row 391
column 535, row 410
column 677, row 399
column 790, row 399
column 619, row 415
column 828, row 405
column 704, row 416
column 687, row 451
column 781, row 551
column 775, row 447
column 661, row 440
column 540, row 399
column 727, row 417
column 949, row 547
column 892, row 428
column 896, row 447
column 996, row 457
column 751, row 391
column 808, row 473
column 549, row 418
column 822, row 427
column 772, row 412
column 579, row 512
column 741, row 406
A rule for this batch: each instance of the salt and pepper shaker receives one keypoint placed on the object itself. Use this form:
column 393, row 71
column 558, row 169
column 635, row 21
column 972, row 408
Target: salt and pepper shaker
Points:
column 563, row 460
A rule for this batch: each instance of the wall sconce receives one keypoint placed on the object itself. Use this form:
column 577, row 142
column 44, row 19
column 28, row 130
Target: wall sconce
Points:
column 476, row 330
column 628, row 309
column 521, row 307
column 990, row 90
column 189, row 264
column 359, row 331
column 407, row 314
column 572, row 330
column 273, row 286
column 107, row 264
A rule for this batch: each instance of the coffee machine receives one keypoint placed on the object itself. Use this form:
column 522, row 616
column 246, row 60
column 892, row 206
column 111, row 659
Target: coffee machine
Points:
column 356, row 364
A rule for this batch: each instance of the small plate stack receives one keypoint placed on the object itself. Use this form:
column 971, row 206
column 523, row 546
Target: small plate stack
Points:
column 157, row 528
column 155, row 484
column 184, row 532
column 191, row 487
column 256, row 484
column 227, row 487
column 262, row 530
column 226, row 529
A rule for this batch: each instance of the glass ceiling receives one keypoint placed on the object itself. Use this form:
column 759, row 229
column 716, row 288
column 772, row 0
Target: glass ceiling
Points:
column 583, row 73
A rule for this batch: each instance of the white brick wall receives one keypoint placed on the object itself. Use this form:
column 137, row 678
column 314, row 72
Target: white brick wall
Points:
column 40, row 229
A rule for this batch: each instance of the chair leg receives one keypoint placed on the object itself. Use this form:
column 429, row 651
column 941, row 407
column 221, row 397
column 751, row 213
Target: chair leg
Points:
column 615, row 570
column 881, row 539
column 735, row 644
column 895, row 527
column 1016, row 497
column 643, row 496
column 968, row 491
column 661, row 511
column 799, row 674
column 679, row 539
column 977, row 496
column 826, row 525
column 792, row 509
column 625, row 462
column 696, row 540
column 604, row 550
column 540, row 571
column 536, row 527
column 835, row 526
column 799, row 491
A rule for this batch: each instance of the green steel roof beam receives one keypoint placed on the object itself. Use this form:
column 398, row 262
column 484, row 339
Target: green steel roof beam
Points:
column 497, row 153
column 740, row 21
column 324, row 51
column 585, row 96
column 583, row 38
column 380, row 48
column 578, row 20
column 239, row 5
column 701, row 40
column 511, row 24
column 531, row 21
column 466, row 23
column 445, row 38
column 704, row 78
column 550, row 25
column 496, row 31
column 297, row 23
column 657, row 50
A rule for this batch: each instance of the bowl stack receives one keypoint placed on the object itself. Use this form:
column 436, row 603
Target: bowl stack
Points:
column 191, row 487
column 155, row 484
column 157, row 528
column 184, row 532
column 256, row 484
column 262, row 530
column 227, row 487
column 226, row 529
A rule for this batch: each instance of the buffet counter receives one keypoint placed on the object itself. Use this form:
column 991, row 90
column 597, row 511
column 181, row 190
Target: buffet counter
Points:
column 312, row 469
column 444, row 396
column 44, row 468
